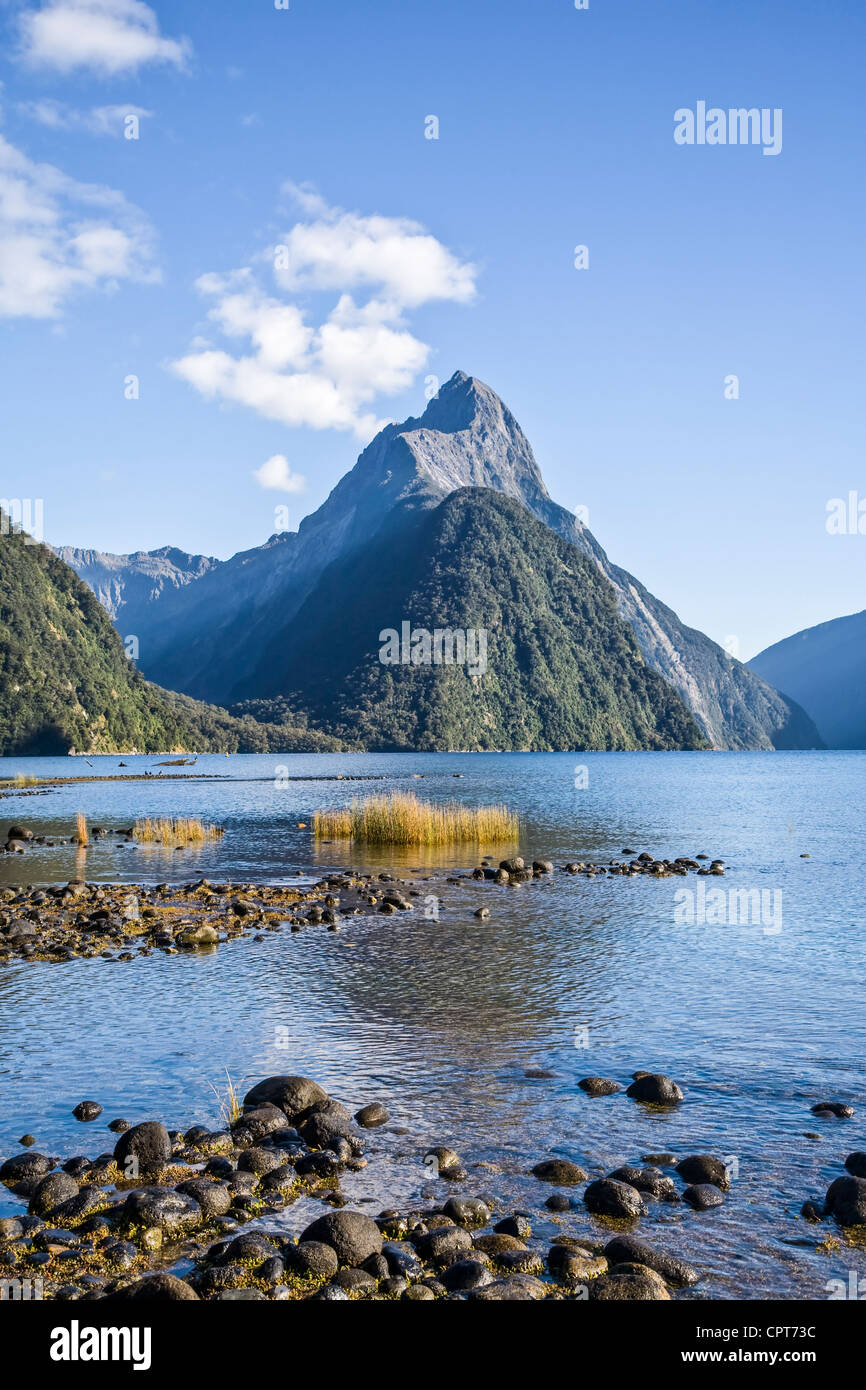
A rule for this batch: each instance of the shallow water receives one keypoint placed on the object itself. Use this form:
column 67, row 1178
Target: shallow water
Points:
column 440, row 1019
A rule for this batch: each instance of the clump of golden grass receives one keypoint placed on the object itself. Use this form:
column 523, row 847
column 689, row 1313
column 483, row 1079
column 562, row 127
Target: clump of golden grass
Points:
column 21, row 780
column 81, row 830
column 174, row 830
column 229, row 1101
column 403, row 819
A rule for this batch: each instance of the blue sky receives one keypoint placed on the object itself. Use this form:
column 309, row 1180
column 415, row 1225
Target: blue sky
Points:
column 410, row 257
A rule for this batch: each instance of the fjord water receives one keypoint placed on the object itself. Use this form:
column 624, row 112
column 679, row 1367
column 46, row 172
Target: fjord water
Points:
column 441, row 1019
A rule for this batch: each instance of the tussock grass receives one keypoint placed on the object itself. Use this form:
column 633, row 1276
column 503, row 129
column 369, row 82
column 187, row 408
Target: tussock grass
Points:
column 174, row 830
column 229, row 1101
column 402, row 819
column 81, row 830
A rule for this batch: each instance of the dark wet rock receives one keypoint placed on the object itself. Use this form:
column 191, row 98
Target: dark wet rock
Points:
column 76, row 1208
column 259, row 1161
column 559, row 1171
column 834, row 1108
column 518, row 1226
column 51, row 1191
column 222, row 1168
column 220, row 1277
column 294, row 1095
column 497, row 1243
column 512, row 866
column 214, row 1198
column 353, row 1235
column 156, row 1286
column 846, row 1201
column 650, row 1180
column 372, row 1115
column 256, row 1125
column 467, row 1211
column 811, row 1211
column 272, row 1270
column 654, row 1089
column 856, row 1165
column 662, row 1160
column 629, row 1283
column 447, row 1163
column 464, row 1275
column 520, row 1262
column 702, row 1196
column 557, row 1201
column 599, row 1086
column 161, row 1207
column 517, row 1288
column 250, row 1247
column 605, row 1197
column 87, row 1111
column 418, row 1293
column 119, row 1126
column 355, row 1281
column 538, row 1074
column 143, row 1150
column 322, row 1127
column 119, row 1254
column 444, row 1245
column 24, row 1167
column 53, row 1240
column 574, row 1264
column 402, row 1259
column 321, row 1164
column 630, row 1250
column 542, row 866
column 311, row 1257
column 703, row 1168
column 278, row 1180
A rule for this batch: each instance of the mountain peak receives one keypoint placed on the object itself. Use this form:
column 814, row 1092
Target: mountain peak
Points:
column 467, row 437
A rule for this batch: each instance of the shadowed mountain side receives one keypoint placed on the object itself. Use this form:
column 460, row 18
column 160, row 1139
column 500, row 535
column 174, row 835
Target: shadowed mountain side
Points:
column 824, row 668
column 563, row 671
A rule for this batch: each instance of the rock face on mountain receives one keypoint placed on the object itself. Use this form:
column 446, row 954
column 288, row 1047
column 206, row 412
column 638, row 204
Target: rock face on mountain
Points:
column 205, row 637
column 824, row 669
column 128, row 586
column 539, row 657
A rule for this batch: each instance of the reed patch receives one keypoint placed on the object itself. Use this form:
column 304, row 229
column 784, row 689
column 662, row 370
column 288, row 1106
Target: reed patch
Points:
column 403, row 819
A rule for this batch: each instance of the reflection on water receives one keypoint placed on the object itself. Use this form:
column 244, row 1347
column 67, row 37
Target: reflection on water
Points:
column 441, row 1018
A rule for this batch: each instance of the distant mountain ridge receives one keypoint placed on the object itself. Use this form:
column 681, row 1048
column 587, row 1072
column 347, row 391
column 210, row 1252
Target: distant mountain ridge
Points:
column 66, row 683
column 824, row 669
column 205, row 636
column 126, row 585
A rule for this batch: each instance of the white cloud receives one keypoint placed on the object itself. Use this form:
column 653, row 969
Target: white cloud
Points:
column 59, row 238
column 326, row 375
column 108, row 36
column 99, row 120
column 275, row 473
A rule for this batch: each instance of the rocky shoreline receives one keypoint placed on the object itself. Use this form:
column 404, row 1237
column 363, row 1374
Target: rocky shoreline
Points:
column 162, row 1214
column 121, row 922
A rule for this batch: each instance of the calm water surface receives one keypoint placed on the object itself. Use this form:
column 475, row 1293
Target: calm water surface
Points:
column 441, row 1019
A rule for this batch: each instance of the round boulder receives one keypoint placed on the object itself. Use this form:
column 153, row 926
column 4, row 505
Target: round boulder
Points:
column 353, row 1236
column 655, row 1089
column 143, row 1150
